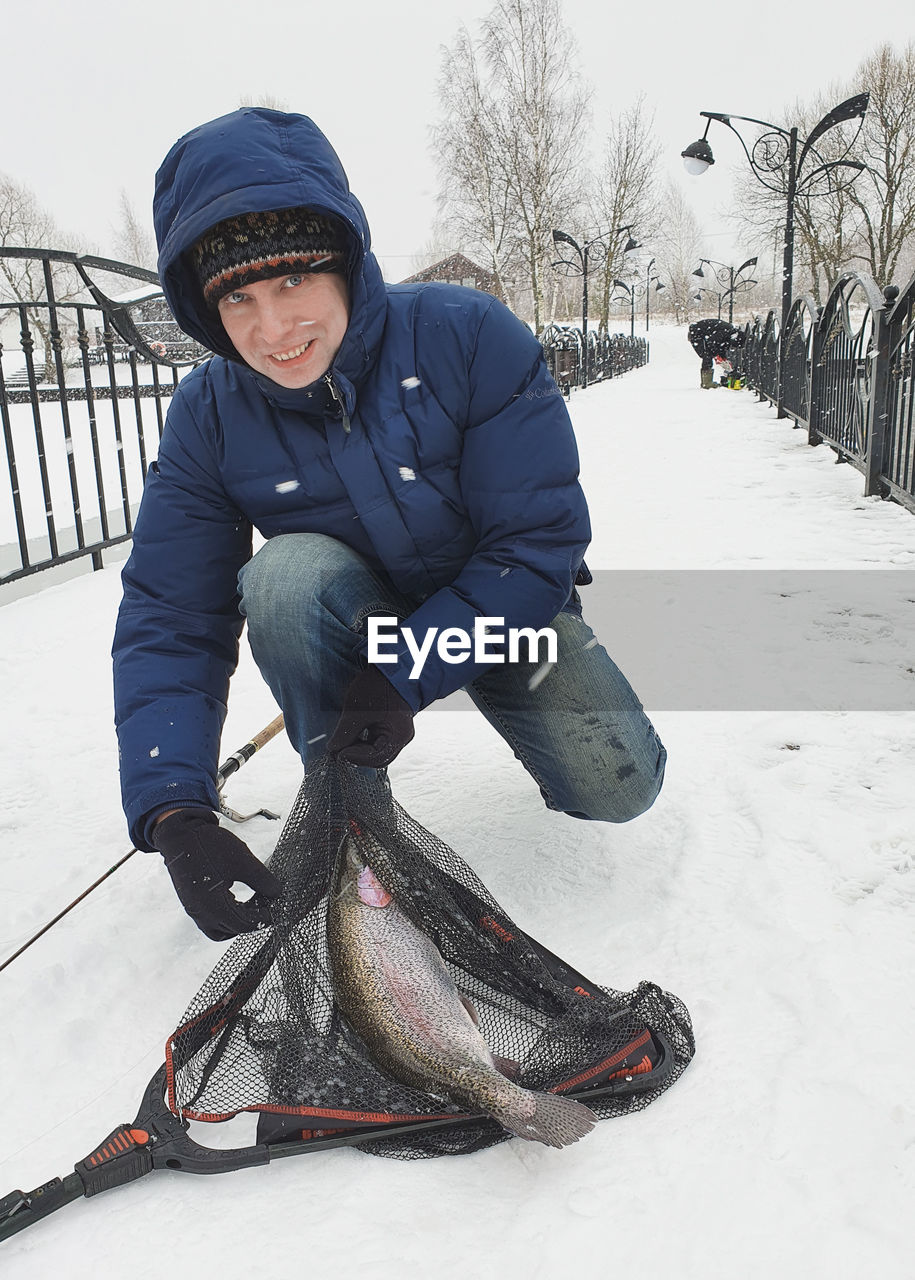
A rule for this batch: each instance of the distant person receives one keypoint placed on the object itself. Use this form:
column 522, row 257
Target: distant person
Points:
column 711, row 339
column 405, row 452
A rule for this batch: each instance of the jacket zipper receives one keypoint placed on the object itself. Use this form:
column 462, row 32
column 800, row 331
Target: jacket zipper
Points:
column 336, row 395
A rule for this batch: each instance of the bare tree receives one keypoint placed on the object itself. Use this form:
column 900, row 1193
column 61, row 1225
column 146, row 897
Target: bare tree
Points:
column 542, row 109
column 827, row 222
column 474, row 193
column 868, row 223
column 134, row 242
column 624, row 191
column 509, row 144
column 680, row 240
column 25, row 224
column 884, row 196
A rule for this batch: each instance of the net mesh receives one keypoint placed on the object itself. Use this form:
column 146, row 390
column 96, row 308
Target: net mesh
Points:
column 266, row 1034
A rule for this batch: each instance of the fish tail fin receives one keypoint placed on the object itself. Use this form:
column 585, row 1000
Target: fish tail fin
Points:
column 553, row 1120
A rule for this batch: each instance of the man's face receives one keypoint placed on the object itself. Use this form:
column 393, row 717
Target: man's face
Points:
column 288, row 328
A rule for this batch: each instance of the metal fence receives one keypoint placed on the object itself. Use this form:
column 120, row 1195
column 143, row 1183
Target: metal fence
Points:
column 88, row 367
column 760, row 356
column 86, row 373
column 897, row 454
column 845, row 374
column 608, row 356
column 795, row 380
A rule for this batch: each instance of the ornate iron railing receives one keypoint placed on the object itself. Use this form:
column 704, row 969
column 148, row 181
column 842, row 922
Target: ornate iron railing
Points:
column 897, row 460
column 841, row 385
column 795, row 371
column 562, row 349
column 85, row 378
column 846, row 373
column 768, row 358
column 86, row 374
column 749, row 346
column 609, row 355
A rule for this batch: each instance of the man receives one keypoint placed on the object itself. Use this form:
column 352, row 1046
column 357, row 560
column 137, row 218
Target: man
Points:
column 405, row 453
column 710, row 339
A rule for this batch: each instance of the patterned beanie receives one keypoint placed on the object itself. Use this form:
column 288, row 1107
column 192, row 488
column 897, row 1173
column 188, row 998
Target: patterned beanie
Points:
column 259, row 246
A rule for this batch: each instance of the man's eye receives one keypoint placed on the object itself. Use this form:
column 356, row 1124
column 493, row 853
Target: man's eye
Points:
column 292, row 281
column 234, row 298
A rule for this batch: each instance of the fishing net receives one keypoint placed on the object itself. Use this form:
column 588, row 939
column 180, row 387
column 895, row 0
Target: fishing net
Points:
column 266, row 1033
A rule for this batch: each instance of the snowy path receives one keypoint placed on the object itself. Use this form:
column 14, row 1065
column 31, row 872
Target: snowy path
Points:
column 772, row 887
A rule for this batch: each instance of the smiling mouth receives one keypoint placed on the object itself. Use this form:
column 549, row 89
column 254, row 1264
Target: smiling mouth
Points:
column 293, row 354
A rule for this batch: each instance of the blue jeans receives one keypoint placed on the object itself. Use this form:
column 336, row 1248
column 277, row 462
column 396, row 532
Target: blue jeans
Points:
column 581, row 734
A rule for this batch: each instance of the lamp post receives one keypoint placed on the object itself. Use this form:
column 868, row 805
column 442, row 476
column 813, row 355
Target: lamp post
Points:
column 649, row 278
column 730, row 276
column 597, row 248
column 621, row 284
column 777, row 163
column 658, row 286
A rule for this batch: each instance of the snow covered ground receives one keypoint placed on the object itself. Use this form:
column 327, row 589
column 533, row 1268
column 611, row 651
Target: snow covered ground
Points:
column 772, row 887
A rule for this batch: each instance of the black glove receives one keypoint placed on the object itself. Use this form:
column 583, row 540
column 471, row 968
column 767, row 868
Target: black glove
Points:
column 203, row 859
column 375, row 724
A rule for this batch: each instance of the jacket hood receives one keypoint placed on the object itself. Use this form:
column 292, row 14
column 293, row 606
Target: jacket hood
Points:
column 251, row 161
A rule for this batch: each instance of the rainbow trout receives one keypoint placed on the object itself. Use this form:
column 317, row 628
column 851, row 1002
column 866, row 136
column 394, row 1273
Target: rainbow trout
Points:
column 395, row 990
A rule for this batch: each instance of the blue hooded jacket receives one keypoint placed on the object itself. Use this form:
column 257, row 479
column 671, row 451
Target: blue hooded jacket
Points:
column 452, row 464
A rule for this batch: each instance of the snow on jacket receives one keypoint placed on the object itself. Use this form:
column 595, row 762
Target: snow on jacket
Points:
column 712, row 337
column 455, row 468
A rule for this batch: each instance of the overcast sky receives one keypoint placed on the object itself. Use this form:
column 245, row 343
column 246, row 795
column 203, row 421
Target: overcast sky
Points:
column 93, row 97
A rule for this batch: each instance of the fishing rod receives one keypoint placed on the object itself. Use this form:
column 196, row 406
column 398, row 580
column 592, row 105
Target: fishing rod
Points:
column 229, row 766
column 235, row 761
column 157, row 1139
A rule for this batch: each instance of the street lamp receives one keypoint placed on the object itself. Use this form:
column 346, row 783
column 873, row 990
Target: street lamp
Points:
column 730, row 276
column 649, row 278
column 775, row 152
column 657, row 288
column 623, row 285
column 598, row 249
column 697, row 158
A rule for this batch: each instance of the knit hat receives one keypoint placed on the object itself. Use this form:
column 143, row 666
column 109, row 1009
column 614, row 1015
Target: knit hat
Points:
column 259, row 246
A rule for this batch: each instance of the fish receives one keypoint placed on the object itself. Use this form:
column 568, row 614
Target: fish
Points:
column 395, row 990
